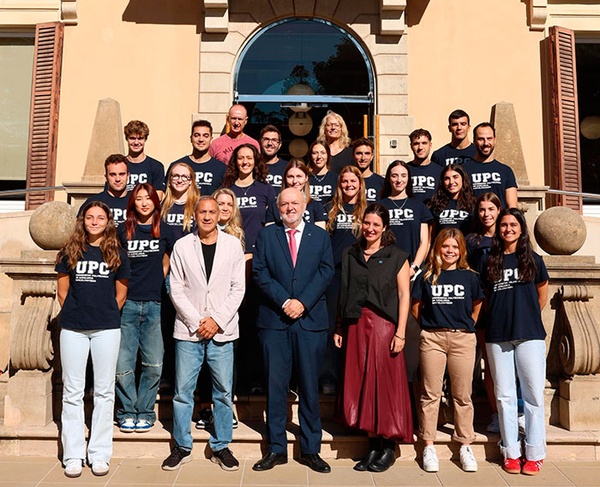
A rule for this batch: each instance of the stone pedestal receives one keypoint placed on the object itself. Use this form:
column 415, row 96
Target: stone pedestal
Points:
column 580, row 403
column 29, row 399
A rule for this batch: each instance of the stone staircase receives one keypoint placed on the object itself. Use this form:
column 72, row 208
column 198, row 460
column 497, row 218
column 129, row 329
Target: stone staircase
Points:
column 248, row 438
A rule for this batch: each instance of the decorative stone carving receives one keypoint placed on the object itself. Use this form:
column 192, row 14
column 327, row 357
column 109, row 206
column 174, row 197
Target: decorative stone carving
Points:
column 392, row 17
column 52, row 224
column 560, row 231
column 69, row 12
column 538, row 14
column 579, row 351
column 216, row 16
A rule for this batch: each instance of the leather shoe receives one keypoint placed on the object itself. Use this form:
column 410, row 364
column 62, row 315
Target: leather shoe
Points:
column 269, row 461
column 315, row 462
column 385, row 460
column 363, row 465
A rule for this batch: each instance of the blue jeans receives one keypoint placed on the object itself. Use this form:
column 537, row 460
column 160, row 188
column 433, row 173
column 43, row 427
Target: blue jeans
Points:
column 528, row 357
column 140, row 331
column 189, row 357
column 75, row 348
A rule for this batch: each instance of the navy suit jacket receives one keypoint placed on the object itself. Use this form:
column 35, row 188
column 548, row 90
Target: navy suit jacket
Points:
column 279, row 280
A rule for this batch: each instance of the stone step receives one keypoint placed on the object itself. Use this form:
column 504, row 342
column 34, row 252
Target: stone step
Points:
column 248, row 442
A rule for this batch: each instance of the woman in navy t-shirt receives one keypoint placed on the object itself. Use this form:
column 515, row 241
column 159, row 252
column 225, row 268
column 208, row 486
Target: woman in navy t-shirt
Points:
column 446, row 302
column 246, row 176
column 453, row 203
column 516, row 286
column 409, row 217
column 322, row 179
column 148, row 242
column 92, row 286
column 479, row 243
column 296, row 175
column 177, row 207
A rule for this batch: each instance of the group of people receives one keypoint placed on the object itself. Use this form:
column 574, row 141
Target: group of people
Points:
column 357, row 283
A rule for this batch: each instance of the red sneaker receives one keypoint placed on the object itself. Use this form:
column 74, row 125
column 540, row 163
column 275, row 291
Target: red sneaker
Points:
column 532, row 467
column 512, row 465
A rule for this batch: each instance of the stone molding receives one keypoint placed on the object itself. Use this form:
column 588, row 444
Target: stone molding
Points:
column 216, row 16
column 537, row 14
column 579, row 350
column 392, row 20
column 68, row 10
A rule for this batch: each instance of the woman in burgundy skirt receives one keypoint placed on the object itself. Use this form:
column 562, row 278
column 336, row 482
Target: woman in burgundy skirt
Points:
column 374, row 305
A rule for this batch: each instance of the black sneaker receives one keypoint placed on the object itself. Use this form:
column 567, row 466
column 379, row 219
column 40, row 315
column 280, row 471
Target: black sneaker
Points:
column 177, row 457
column 234, row 422
column 205, row 419
column 225, row 459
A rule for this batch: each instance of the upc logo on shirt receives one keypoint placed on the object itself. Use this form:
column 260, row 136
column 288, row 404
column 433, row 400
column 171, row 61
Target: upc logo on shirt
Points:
column 400, row 215
column 318, row 192
column 274, row 180
column 204, row 178
column 247, row 201
column 446, row 293
column 511, row 277
column 136, row 179
column 141, row 248
column 422, row 183
column 484, row 180
column 452, row 216
column 90, row 270
column 175, row 219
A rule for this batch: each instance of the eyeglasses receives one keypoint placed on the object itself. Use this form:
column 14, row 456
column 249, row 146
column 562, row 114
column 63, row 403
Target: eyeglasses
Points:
column 270, row 141
column 182, row 177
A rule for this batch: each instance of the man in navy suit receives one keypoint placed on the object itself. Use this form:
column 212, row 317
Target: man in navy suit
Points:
column 292, row 266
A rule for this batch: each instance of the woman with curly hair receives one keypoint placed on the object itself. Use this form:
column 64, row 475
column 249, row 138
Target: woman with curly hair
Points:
column 148, row 241
column 447, row 298
column 322, row 179
column 179, row 202
column 515, row 282
column 453, row 203
column 93, row 272
column 334, row 132
column 297, row 175
column 246, row 176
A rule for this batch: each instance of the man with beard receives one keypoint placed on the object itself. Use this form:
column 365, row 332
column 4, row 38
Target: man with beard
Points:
column 486, row 173
column 460, row 149
column 270, row 143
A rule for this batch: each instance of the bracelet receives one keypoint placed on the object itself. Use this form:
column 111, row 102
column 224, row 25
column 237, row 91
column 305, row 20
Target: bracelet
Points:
column 401, row 338
column 414, row 267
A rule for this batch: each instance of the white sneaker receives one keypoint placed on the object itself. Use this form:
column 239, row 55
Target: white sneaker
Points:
column 521, row 422
column 73, row 467
column 494, row 426
column 430, row 459
column 467, row 459
column 99, row 468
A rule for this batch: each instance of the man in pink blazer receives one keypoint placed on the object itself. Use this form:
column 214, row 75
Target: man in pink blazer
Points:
column 207, row 287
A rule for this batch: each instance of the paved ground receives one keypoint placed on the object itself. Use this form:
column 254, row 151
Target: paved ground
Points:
column 39, row 471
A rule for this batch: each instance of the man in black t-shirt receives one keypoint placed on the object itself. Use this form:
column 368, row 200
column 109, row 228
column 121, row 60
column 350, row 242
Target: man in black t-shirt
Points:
column 270, row 143
column 363, row 151
column 142, row 168
column 460, row 149
column 425, row 176
column 486, row 173
column 115, row 195
column 209, row 171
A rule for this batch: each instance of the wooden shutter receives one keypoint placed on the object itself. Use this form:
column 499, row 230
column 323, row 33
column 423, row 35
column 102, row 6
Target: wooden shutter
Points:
column 43, row 122
column 565, row 117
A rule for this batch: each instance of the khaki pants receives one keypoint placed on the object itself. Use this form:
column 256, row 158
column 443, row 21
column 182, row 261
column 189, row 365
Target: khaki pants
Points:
column 456, row 349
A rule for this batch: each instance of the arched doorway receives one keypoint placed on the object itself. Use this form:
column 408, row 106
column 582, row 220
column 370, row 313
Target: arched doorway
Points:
column 292, row 71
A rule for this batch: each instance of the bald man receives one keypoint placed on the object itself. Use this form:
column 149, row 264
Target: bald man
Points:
column 222, row 147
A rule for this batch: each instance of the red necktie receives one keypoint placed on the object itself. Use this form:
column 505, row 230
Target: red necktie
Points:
column 292, row 243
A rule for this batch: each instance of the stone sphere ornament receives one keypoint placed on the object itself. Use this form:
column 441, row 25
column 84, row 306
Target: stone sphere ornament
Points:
column 52, row 224
column 560, row 231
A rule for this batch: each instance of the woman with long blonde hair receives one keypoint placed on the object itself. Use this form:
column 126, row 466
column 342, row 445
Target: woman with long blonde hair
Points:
column 230, row 218
column 179, row 202
column 93, row 273
column 333, row 131
column 446, row 303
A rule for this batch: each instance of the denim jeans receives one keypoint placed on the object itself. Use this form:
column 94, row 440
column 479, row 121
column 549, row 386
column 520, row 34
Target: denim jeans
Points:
column 528, row 357
column 140, row 332
column 75, row 347
column 189, row 357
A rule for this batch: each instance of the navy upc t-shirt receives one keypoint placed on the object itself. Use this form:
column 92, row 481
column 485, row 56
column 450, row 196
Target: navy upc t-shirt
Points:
column 491, row 177
column 341, row 236
column 314, row 213
column 447, row 155
column 209, row 174
column 477, row 249
column 425, row 180
column 91, row 302
column 450, row 217
column 118, row 206
column 253, row 201
column 148, row 171
column 513, row 307
column 275, row 176
column 322, row 188
column 448, row 303
column 406, row 217
column 373, row 185
column 146, row 259
column 174, row 218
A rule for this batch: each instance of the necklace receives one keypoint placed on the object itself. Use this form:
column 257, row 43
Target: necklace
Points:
column 245, row 191
column 372, row 252
column 396, row 205
column 320, row 178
